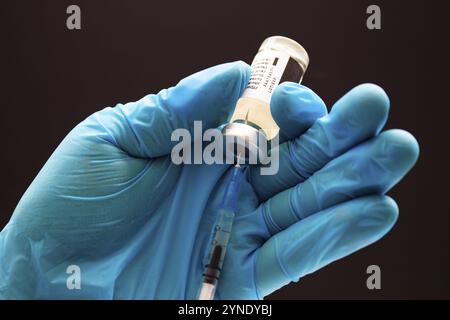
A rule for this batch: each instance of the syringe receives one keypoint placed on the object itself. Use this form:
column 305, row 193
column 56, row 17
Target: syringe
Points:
column 221, row 236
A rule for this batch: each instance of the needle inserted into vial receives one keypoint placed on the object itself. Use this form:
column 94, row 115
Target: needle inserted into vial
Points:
column 278, row 59
column 221, row 236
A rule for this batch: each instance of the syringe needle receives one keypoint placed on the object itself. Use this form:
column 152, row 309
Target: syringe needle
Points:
column 238, row 163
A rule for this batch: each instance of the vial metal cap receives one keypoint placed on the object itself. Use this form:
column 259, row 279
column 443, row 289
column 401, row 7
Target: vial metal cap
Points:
column 291, row 47
column 244, row 140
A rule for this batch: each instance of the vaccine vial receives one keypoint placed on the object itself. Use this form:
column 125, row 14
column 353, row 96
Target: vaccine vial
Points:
column 278, row 59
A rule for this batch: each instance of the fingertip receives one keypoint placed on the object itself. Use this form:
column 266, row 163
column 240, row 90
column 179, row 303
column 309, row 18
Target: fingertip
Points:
column 243, row 66
column 366, row 104
column 401, row 147
column 239, row 70
column 392, row 210
column 293, row 99
column 387, row 210
column 367, row 220
column 295, row 107
column 372, row 97
column 407, row 142
column 228, row 79
column 208, row 95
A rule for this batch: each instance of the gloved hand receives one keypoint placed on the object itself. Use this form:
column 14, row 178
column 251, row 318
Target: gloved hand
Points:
column 110, row 200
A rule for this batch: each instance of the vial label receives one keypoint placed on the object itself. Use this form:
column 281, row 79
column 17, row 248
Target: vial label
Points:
column 267, row 70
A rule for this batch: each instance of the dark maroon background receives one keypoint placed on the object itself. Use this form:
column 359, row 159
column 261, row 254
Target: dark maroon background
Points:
column 52, row 78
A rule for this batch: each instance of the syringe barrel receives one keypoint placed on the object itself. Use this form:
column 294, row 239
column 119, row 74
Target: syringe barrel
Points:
column 221, row 236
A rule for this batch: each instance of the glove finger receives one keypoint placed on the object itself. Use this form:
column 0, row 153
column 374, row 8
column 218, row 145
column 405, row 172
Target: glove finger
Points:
column 295, row 108
column 357, row 116
column 144, row 128
column 373, row 167
column 321, row 239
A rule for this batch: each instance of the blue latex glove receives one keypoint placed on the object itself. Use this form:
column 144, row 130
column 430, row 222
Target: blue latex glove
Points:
column 110, row 200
